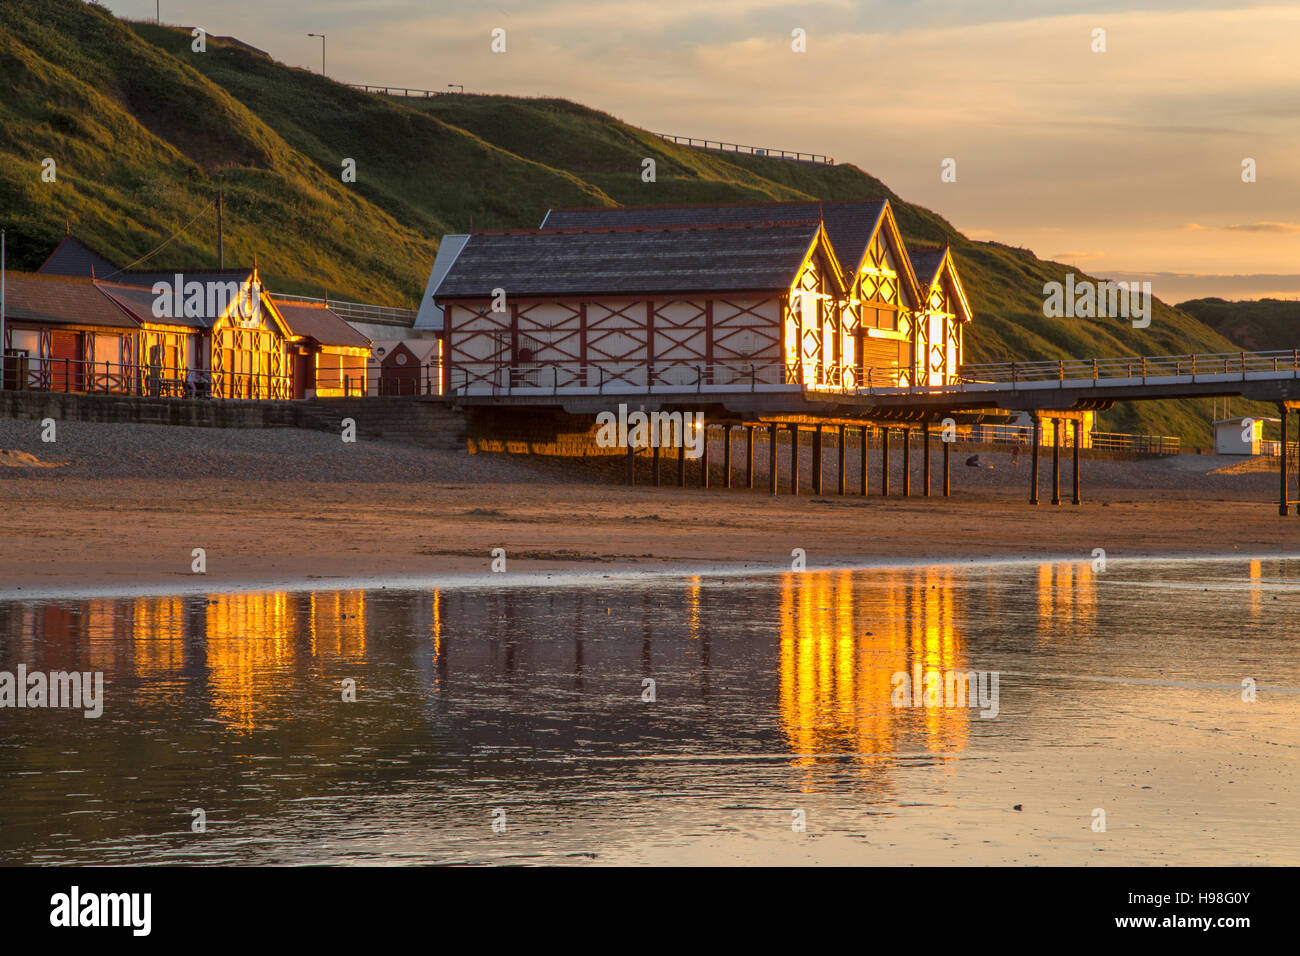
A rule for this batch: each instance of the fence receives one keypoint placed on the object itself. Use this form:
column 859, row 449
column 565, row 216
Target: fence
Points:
column 817, row 158
column 1123, row 441
column 358, row 311
column 1136, row 367
column 398, row 91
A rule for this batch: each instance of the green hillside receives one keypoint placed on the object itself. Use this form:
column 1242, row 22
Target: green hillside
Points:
column 142, row 127
column 1261, row 325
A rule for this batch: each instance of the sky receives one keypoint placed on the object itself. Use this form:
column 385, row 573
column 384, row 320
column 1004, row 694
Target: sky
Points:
column 1126, row 162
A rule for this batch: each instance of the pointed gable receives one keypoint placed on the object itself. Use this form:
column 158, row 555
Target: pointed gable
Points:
column 935, row 268
column 74, row 258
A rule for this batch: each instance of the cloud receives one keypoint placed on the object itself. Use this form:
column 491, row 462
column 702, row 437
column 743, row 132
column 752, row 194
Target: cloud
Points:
column 1264, row 227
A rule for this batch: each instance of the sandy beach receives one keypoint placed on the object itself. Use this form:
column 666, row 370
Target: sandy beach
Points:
column 129, row 503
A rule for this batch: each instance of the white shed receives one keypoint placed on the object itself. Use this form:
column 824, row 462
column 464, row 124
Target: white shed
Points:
column 1241, row 436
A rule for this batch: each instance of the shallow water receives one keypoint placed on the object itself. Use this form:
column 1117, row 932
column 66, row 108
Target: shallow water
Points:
column 1119, row 691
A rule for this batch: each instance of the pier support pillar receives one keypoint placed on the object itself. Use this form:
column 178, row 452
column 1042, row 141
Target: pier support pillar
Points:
column 947, row 486
column 1056, row 461
column 925, row 460
column 817, row 460
column 1077, row 423
column 726, row 456
column 771, row 455
column 1283, row 506
column 884, row 462
column 907, row 462
column 681, row 463
column 1033, row 471
column 794, row 459
column 749, row 456
column 704, row 457
column 843, row 451
column 654, row 465
column 865, row 432
column 631, row 465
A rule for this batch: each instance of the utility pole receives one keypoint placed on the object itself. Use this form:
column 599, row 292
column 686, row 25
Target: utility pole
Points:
column 322, row 50
column 4, row 365
column 221, row 242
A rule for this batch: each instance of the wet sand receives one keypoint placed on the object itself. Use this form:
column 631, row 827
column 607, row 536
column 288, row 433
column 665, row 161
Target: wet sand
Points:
column 140, row 534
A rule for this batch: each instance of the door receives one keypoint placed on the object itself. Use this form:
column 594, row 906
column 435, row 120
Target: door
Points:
column 65, row 361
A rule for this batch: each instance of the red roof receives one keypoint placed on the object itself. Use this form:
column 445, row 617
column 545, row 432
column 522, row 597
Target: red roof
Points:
column 61, row 300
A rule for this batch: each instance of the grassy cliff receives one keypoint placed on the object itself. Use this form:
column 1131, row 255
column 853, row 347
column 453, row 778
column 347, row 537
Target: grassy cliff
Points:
column 143, row 129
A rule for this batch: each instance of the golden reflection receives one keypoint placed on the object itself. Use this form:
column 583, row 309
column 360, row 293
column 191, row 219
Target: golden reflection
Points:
column 1067, row 599
column 693, row 607
column 157, row 636
column 1256, row 591
column 843, row 638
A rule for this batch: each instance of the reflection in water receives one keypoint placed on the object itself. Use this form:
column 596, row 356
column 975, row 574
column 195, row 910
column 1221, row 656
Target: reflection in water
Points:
column 236, row 696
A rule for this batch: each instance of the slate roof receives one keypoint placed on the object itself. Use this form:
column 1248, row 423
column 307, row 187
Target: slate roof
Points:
column 139, row 301
column 630, row 261
column 72, row 257
column 850, row 224
column 63, row 300
column 925, row 263
column 318, row 321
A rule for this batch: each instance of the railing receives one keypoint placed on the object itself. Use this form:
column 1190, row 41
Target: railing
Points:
column 1141, row 367
column 1024, row 435
column 22, row 373
column 489, row 378
column 751, row 150
column 398, row 90
column 357, row 311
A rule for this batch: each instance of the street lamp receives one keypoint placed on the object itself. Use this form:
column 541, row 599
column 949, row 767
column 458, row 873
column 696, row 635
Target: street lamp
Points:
column 322, row 50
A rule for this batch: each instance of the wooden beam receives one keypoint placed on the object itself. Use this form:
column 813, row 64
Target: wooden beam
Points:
column 771, row 455
column 925, row 459
column 865, row 432
column 884, row 462
column 843, row 450
column 907, row 462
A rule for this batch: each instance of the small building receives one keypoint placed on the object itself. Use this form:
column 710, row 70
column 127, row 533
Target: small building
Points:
column 405, row 366
column 1242, row 436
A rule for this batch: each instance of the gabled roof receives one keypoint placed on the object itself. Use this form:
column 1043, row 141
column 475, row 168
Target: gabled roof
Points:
column 63, row 300
column 850, row 224
column 932, row 264
column 139, row 302
column 314, row 320
column 72, row 257
column 653, row 260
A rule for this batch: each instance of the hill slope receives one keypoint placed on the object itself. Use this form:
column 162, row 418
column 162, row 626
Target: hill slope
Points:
column 1259, row 325
column 142, row 128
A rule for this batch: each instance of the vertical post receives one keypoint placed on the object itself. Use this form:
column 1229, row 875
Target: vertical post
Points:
column 1056, row 461
column 925, row 459
column 681, row 462
column 1297, row 461
column 704, row 457
column 884, row 462
column 947, row 486
column 631, row 465
column 1077, row 423
column 907, row 462
column 794, row 459
column 1033, row 471
column 749, row 456
column 1283, row 508
column 817, row 460
column 865, row 433
column 654, row 465
column 843, row 435
column 726, row 456
column 771, row 458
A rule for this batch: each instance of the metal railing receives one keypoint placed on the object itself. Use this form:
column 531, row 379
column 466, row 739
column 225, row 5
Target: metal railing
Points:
column 22, row 373
column 1137, row 367
column 714, row 144
column 1121, row 441
column 357, row 311
column 489, row 378
column 398, row 91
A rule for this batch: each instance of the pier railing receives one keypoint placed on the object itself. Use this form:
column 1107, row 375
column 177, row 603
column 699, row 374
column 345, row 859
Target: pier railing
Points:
column 357, row 311
column 1141, row 367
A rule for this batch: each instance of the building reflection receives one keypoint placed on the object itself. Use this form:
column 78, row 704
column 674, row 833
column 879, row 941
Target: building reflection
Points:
column 843, row 636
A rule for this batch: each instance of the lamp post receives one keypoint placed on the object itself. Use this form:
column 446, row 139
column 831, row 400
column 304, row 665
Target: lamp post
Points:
column 322, row 50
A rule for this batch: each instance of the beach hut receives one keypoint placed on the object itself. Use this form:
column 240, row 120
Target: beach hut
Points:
column 1242, row 436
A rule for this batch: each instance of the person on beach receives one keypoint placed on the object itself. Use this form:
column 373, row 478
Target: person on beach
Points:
column 1015, row 457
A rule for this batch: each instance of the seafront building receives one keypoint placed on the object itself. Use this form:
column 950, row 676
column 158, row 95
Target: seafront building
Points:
column 819, row 294
column 80, row 323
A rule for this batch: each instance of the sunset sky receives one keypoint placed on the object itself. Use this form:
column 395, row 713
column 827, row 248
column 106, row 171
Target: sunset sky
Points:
column 1125, row 163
